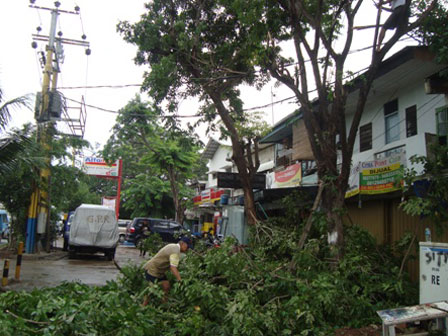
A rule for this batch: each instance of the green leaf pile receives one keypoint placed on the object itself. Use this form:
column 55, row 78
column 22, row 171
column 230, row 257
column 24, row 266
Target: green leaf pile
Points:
column 266, row 288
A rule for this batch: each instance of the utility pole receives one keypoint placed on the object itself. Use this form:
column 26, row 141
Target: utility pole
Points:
column 48, row 111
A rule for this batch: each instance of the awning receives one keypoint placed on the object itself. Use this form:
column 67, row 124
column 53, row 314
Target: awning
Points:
column 266, row 166
column 281, row 131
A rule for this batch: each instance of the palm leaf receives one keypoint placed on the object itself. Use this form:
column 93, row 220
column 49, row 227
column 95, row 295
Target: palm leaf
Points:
column 6, row 107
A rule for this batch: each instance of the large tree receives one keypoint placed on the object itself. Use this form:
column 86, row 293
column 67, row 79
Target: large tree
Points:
column 322, row 32
column 165, row 157
column 195, row 48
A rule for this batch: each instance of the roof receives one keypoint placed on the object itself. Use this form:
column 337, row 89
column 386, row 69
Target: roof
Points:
column 282, row 129
column 406, row 66
column 94, row 207
column 211, row 148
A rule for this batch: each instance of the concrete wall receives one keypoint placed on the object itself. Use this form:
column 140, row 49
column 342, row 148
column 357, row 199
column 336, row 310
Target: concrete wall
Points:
column 217, row 163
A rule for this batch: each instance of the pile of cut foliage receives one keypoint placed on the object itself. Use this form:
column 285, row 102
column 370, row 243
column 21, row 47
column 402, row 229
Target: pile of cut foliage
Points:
column 266, row 288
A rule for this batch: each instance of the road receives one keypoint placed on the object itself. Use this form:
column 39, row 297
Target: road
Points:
column 50, row 269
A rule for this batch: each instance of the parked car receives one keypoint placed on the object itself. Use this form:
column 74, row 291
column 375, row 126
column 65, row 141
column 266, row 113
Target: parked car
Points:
column 122, row 228
column 167, row 229
column 94, row 228
column 4, row 224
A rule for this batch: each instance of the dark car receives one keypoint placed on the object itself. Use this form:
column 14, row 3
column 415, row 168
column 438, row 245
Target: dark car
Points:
column 167, row 229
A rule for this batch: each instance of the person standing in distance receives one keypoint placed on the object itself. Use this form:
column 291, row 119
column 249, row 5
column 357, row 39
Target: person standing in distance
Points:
column 167, row 259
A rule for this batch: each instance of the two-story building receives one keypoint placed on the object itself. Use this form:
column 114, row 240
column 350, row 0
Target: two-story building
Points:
column 406, row 111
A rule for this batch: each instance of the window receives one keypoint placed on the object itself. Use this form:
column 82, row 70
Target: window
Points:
column 442, row 124
column 365, row 137
column 392, row 122
column 160, row 224
column 411, row 121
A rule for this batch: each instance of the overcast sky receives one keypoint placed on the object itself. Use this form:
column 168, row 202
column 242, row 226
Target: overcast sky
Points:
column 110, row 63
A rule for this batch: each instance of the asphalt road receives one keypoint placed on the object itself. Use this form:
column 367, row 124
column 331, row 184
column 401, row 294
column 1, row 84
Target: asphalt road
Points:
column 51, row 269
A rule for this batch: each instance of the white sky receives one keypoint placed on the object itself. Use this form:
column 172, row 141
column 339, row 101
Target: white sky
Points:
column 111, row 61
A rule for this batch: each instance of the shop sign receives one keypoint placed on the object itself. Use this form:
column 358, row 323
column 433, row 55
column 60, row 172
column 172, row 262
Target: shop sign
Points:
column 289, row 177
column 378, row 176
column 98, row 167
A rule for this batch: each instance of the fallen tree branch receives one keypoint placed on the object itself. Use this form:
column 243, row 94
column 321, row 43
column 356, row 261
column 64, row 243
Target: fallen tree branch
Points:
column 307, row 228
column 26, row 320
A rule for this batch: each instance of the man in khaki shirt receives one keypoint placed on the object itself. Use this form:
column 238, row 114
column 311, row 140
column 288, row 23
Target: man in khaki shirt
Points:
column 166, row 259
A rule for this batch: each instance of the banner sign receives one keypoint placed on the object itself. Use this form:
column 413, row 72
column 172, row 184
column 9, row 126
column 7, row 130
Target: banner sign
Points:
column 378, row 176
column 232, row 180
column 291, row 176
column 353, row 181
column 208, row 196
column 98, row 167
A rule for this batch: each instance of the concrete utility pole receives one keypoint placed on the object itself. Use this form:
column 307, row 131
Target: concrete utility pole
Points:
column 48, row 110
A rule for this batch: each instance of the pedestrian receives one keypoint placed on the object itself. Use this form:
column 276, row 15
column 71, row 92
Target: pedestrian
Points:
column 166, row 259
column 141, row 242
column 398, row 19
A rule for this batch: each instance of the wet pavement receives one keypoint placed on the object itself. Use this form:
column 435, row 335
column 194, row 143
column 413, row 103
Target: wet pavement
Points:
column 51, row 269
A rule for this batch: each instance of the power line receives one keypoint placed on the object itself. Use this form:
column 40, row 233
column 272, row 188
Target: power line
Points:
column 120, row 86
column 116, row 112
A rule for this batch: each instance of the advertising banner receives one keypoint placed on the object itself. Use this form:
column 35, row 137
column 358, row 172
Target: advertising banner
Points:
column 378, row 176
column 98, row 167
column 353, row 181
column 291, row 176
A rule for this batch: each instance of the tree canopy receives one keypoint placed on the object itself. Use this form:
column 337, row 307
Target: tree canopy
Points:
column 160, row 160
column 198, row 49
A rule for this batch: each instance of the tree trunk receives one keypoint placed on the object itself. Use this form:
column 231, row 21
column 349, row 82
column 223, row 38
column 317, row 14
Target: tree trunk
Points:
column 245, row 169
column 333, row 205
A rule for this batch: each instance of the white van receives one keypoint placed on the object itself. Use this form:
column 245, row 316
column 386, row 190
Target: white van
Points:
column 93, row 229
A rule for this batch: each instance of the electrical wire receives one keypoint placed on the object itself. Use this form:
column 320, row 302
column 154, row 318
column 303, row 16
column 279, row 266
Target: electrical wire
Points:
column 116, row 112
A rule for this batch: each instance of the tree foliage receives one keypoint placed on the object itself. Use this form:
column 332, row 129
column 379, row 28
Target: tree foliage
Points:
column 12, row 143
column 427, row 193
column 434, row 29
column 160, row 159
column 68, row 187
column 198, row 49
column 227, row 291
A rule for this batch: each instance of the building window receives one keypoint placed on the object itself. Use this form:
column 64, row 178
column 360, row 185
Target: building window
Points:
column 442, row 124
column 214, row 176
column 392, row 122
column 365, row 137
column 411, row 121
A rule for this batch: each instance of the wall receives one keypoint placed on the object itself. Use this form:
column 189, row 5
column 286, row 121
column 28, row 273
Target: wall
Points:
column 300, row 142
column 388, row 223
column 217, row 163
column 426, row 122
column 266, row 153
